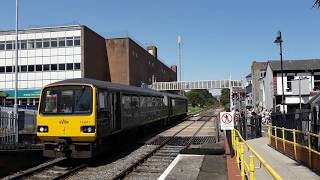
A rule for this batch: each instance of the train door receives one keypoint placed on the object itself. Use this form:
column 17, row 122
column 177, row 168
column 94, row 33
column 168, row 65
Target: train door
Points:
column 116, row 111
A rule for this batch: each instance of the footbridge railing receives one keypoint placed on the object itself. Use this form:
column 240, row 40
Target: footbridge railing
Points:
column 201, row 84
column 247, row 164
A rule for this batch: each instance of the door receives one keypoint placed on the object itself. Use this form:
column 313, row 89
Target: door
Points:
column 116, row 111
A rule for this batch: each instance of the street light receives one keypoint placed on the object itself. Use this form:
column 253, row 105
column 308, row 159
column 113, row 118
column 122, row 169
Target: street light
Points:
column 16, row 75
column 279, row 41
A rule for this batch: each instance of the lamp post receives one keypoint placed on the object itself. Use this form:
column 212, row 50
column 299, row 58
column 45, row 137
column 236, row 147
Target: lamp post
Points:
column 279, row 41
column 16, row 75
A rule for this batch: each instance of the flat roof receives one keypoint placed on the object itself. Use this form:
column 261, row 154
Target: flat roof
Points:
column 43, row 29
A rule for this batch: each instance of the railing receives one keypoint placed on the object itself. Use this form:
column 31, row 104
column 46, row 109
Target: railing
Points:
column 299, row 138
column 246, row 168
column 8, row 128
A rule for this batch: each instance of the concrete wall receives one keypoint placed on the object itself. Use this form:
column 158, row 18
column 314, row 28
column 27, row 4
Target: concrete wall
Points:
column 256, row 68
column 94, row 58
column 117, row 52
column 268, row 85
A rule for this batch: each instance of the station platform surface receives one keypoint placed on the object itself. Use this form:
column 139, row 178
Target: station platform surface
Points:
column 286, row 167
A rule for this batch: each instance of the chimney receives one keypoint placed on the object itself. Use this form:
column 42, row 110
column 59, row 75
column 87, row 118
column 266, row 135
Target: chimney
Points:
column 153, row 51
column 174, row 68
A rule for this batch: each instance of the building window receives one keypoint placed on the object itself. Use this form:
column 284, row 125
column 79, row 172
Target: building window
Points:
column 46, row 67
column 76, row 41
column 23, row 44
column 316, row 82
column 2, row 45
column 289, row 83
column 69, row 66
column 62, row 42
column 62, row 67
column 53, row 67
column 9, row 45
column 54, row 42
column 69, row 41
column 30, row 44
column 8, row 68
column 2, row 69
column 30, row 68
column 38, row 67
column 76, row 66
column 24, row 68
column 39, row 43
column 46, row 43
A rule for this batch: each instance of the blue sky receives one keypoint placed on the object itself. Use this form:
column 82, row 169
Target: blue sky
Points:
column 220, row 37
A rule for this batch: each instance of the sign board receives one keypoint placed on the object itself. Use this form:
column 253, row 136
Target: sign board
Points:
column 226, row 121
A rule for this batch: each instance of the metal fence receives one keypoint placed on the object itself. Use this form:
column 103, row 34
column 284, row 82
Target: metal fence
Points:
column 7, row 128
column 300, row 121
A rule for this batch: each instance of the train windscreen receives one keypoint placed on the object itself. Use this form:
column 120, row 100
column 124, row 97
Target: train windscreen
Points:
column 66, row 100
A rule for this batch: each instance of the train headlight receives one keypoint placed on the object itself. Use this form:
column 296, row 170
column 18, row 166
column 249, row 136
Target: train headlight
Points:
column 88, row 129
column 43, row 129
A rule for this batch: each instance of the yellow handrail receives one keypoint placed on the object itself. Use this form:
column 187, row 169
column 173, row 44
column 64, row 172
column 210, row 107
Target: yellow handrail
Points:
column 236, row 140
column 295, row 144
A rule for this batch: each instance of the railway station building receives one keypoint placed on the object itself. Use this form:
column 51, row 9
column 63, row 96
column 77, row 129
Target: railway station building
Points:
column 50, row 54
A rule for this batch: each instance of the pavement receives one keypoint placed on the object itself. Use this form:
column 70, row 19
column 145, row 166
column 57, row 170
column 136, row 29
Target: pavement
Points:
column 286, row 167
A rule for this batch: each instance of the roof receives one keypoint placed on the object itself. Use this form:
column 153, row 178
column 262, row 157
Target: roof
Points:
column 314, row 99
column 308, row 64
column 115, row 86
column 42, row 29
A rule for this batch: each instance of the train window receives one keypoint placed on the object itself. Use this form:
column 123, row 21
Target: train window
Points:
column 154, row 101
column 101, row 100
column 67, row 100
column 143, row 103
column 135, row 101
column 126, row 100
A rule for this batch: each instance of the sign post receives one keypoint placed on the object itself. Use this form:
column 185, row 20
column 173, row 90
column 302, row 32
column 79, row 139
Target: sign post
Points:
column 226, row 121
column 227, row 124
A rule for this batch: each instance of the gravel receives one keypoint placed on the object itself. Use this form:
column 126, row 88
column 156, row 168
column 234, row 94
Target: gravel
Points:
column 108, row 171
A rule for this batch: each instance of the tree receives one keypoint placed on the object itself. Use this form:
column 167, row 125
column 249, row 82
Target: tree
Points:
column 201, row 97
column 316, row 3
column 225, row 98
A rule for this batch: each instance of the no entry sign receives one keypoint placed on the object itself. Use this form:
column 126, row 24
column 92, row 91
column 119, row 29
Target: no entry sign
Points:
column 226, row 121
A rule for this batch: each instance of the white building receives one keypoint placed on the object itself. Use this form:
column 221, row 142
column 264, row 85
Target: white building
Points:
column 47, row 55
column 271, row 83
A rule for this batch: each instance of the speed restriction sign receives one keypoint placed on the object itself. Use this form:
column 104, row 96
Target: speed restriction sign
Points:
column 226, row 121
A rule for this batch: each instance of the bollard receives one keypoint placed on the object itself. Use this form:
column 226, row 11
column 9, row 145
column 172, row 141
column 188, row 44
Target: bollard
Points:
column 251, row 167
column 283, row 141
column 309, row 149
column 269, row 134
column 237, row 150
column 242, row 161
column 294, row 144
column 276, row 137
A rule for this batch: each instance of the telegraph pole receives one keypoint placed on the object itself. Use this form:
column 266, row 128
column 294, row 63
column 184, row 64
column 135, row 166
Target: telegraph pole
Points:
column 180, row 43
column 16, row 75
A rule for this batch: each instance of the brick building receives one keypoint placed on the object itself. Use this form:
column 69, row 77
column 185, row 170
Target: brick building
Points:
column 51, row 54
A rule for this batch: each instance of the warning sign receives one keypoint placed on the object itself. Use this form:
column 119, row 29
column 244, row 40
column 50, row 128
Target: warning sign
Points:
column 226, row 121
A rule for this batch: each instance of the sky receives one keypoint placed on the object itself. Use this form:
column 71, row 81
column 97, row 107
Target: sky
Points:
column 219, row 37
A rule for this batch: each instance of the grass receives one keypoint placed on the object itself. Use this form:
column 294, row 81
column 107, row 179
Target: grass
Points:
column 194, row 109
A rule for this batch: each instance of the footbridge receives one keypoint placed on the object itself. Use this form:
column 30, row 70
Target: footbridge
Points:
column 200, row 84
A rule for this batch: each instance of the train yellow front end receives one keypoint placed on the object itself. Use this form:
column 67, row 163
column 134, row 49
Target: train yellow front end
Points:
column 66, row 121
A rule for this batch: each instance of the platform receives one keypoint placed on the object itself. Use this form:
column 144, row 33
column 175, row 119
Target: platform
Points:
column 286, row 167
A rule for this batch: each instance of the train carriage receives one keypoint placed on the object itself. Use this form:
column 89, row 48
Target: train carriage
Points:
column 75, row 115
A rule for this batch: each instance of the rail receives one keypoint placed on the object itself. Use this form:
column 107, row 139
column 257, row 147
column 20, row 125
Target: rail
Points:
column 246, row 168
column 295, row 133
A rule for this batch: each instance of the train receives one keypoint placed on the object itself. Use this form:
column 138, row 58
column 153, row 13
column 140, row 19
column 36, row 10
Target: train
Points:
column 75, row 116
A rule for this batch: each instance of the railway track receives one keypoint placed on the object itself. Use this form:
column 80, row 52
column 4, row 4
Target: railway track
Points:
column 152, row 165
column 56, row 169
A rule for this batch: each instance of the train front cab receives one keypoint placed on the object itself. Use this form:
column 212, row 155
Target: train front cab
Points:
column 66, row 120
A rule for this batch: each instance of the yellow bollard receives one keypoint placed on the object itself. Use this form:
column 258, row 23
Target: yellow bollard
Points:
column 309, row 149
column 242, row 161
column 251, row 167
column 294, row 144
column 269, row 134
column 276, row 137
column 237, row 152
column 283, row 141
